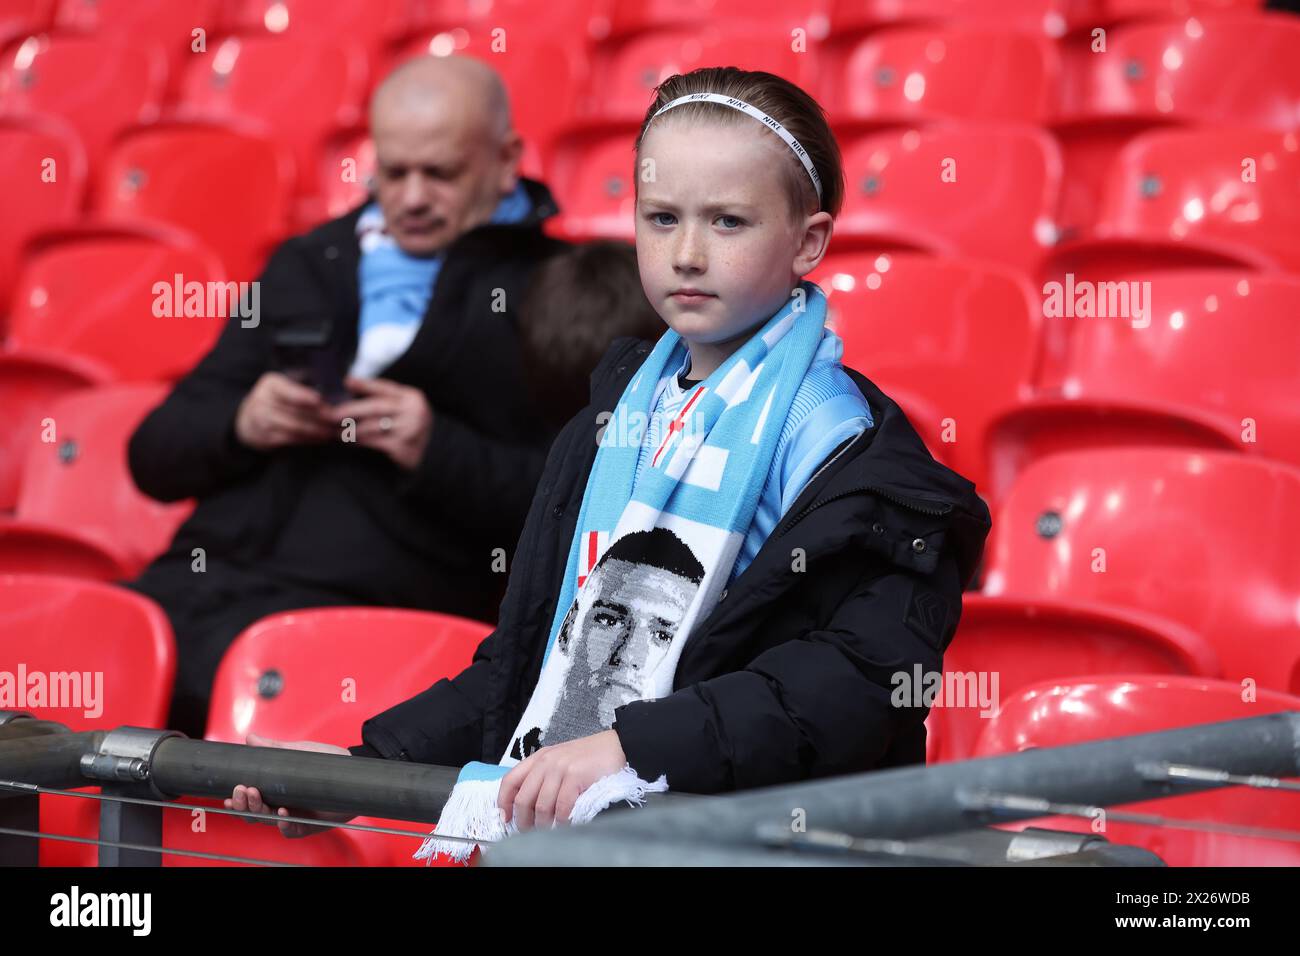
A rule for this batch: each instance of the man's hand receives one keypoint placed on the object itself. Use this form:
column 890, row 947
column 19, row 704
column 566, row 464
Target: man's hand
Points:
column 392, row 418
column 250, row 799
column 542, row 788
column 278, row 411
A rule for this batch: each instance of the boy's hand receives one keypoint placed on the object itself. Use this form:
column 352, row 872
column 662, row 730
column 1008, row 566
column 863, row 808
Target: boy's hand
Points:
column 250, row 798
column 542, row 788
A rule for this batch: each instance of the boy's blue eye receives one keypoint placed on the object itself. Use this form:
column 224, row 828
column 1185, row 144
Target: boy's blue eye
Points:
column 734, row 224
column 654, row 218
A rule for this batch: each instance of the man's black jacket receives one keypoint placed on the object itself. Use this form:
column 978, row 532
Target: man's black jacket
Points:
column 791, row 675
column 344, row 517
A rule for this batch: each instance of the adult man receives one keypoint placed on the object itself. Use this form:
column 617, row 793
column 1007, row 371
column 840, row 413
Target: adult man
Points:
column 410, row 491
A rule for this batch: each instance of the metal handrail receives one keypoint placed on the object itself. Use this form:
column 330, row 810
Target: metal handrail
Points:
column 913, row 802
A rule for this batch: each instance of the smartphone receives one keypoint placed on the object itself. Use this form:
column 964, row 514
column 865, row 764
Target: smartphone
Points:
column 305, row 353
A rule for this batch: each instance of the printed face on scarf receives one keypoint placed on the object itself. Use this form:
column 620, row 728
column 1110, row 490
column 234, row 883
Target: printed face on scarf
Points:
column 618, row 630
column 627, row 617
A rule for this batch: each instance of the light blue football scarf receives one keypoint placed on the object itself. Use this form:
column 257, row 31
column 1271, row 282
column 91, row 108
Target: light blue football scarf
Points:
column 649, row 557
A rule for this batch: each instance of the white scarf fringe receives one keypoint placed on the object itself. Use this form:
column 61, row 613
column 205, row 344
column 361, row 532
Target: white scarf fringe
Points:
column 471, row 811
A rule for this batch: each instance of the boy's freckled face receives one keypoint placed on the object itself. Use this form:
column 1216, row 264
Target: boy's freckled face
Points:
column 715, row 218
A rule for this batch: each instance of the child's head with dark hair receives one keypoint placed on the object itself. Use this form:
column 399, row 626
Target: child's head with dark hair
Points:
column 577, row 303
column 736, row 199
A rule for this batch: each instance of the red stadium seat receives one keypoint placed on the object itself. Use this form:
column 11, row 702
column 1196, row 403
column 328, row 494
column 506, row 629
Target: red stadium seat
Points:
column 299, row 92
column 80, row 485
column 25, row 16
column 28, row 389
column 120, row 647
column 93, row 293
column 319, row 674
column 347, row 173
column 1194, row 197
column 1049, row 17
column 31, row 547
column 1061, row 713
column 230, row 188
column 45, row 167
column 169, row 25
column 371, row 23
column 1225, row 69
column 99, row 86
column 591, row 174
column 986, row 192
column 625, row 73
column 916, row 74
column 1019, row 642
column 53, row 625
column 1222, row 70
column 622, row 18
column 1203, row 539
column 1115, row 11
column 1213, row 365
column 958, row 335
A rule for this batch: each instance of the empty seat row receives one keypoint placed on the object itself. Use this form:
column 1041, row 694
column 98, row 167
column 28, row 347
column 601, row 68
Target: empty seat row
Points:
column 1178, row 358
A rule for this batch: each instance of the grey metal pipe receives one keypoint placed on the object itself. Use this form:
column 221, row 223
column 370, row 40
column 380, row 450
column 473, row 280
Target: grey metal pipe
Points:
column 30, row 727
column 299, row 779
column 912, row 802
column 396, row 789
column 48, row 760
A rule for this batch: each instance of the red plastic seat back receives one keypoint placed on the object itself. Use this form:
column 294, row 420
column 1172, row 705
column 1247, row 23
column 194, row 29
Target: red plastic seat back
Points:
column 103, row 655
column 298, row 92
column 911, row 74
column 620, row 18
column 45, row 166
column 230, row 189
column 1060, row 713
column 100, row 86
column 28, row 547
column 1220, row 69
column 1174, row 373
column 347, row 173
column 82, row 481
column 169, row 25
column 1226, row 193
column 1204, row 539
column 369, row 22
column 984, row 192
column 1047, row 17
column 962, row 335
column 101, row 293
column 1005, row 644
column 28, row 388
column 592, row 177
column 625, row 72
column 319, row 674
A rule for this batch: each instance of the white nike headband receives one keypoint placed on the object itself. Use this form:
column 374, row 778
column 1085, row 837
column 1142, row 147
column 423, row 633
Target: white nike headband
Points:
column 759, row 115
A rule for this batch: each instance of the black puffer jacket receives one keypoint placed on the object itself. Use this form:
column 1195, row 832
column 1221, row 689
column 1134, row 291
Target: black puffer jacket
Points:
column 342, row 517
column 790, row 677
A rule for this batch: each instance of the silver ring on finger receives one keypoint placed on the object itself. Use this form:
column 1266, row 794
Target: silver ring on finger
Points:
column 386, row 424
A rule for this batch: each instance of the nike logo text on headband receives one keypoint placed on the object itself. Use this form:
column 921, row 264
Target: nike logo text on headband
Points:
column 759, row 115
